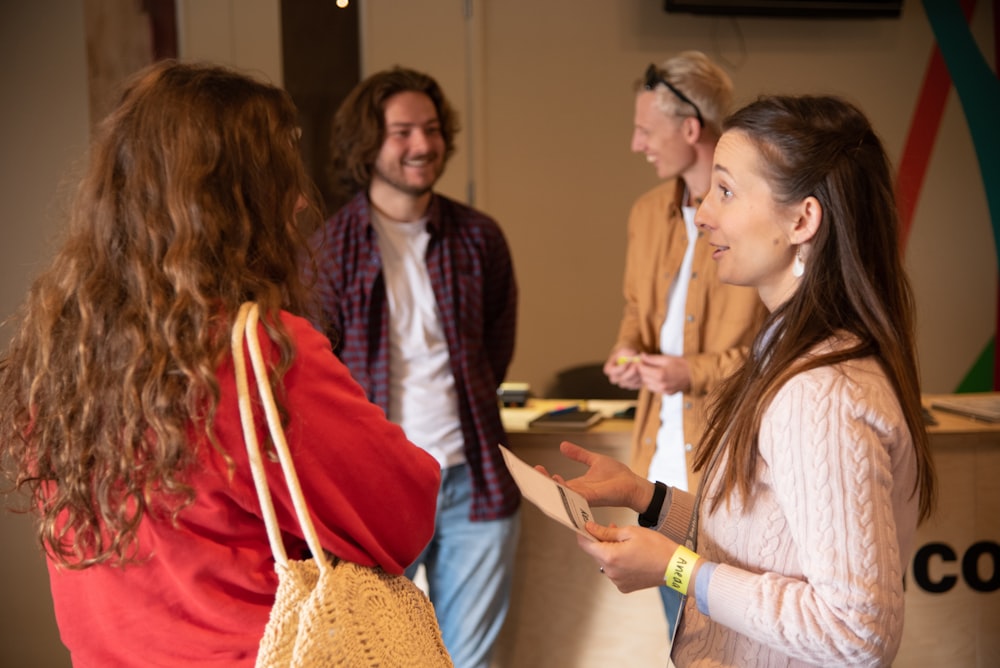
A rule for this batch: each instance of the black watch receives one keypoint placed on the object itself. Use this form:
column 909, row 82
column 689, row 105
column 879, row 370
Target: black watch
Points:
column 651, row 515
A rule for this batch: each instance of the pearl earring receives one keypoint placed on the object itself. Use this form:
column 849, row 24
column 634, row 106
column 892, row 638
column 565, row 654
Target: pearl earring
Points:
column 798, row 266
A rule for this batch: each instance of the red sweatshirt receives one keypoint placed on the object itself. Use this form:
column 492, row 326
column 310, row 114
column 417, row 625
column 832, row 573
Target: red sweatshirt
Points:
column 203, row 594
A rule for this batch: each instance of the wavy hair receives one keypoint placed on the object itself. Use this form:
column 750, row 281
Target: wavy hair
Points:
column 359, row 125
column 190, row 204
column 854, row 280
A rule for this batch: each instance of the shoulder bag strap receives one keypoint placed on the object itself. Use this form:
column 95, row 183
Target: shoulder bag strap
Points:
column 245, row 327
column 691, row 541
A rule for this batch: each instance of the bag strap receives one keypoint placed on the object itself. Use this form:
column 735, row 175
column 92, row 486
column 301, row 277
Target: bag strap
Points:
column 691, row 541
column 245, row 327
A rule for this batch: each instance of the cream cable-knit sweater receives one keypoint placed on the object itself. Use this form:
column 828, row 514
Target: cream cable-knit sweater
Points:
column 812, row 572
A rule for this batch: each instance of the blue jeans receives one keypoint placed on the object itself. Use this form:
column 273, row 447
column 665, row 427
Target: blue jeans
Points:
column 469, row 568
column 671, row 606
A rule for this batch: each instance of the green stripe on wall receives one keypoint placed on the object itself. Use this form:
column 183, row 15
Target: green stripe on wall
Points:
column 980, row 376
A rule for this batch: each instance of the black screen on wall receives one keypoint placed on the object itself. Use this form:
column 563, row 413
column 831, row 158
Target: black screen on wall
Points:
column 802, row 8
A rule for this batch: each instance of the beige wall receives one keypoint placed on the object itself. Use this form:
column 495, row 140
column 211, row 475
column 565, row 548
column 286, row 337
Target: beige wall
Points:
column 240, row 33
column 43, row 137
column 43, row 133
column 549, row 85
column 545, row 93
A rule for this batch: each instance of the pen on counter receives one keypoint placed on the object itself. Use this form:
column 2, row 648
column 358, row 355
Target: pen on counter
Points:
column 567, row 409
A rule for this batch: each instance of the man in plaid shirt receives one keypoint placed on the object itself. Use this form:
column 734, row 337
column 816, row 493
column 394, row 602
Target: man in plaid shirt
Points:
column 420, row 300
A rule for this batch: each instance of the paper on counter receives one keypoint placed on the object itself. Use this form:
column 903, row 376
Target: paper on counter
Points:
column 555, row 500
column 517, row 419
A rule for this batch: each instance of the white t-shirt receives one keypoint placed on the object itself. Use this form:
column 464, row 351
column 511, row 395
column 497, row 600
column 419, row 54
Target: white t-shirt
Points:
column 669, row 463
column 422, row 396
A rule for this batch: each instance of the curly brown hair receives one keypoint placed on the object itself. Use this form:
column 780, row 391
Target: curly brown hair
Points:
column 191, row 204
column 359, row 125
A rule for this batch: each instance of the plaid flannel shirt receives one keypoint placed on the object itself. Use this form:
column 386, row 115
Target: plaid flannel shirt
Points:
column 473, row 281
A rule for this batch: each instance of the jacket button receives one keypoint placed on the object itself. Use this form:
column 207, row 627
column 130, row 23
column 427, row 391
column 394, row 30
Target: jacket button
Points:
column 688, row 447
column 690, row 318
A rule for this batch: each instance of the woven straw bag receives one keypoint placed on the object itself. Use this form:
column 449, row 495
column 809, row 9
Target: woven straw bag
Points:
column 326, row 613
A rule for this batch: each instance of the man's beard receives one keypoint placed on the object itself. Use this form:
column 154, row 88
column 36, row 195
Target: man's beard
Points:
column 401, row 185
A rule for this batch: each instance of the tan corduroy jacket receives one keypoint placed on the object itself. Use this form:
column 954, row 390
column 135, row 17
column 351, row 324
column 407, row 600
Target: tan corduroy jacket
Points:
column 719, row 323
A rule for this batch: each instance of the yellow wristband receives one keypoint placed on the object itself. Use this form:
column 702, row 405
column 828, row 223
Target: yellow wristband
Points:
column 678, row 573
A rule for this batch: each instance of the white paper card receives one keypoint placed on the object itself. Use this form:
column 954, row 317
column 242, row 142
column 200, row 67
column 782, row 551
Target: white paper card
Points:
column 557, row 501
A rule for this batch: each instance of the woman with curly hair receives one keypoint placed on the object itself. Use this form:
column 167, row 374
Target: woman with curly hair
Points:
column 120, row 417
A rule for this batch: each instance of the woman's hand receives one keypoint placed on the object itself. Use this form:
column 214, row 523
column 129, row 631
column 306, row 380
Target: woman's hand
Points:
column 607, row 481
column 633, row 558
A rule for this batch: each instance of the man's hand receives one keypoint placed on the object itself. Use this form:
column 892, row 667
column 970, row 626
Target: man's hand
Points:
column 664, row 374
column 622, row 368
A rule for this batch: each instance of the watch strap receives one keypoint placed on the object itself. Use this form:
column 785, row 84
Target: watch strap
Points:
column 651, row 516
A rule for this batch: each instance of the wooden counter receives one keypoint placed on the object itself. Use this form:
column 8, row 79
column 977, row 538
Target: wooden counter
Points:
column 953, row 582
column 564, row 614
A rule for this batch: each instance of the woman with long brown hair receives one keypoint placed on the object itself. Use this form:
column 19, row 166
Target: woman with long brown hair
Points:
column 816, row 462
column 120, row 417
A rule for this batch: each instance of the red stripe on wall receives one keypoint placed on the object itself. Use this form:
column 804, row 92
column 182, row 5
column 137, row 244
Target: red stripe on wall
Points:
column 923, row 134
column 920, row 141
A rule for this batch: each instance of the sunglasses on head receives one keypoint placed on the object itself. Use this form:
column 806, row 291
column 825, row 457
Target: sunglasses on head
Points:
column 654, row 77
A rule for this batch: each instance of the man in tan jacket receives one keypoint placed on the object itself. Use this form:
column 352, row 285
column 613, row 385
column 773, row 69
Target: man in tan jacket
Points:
column 682, row 330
